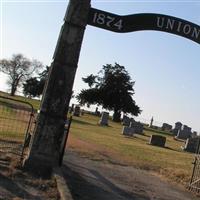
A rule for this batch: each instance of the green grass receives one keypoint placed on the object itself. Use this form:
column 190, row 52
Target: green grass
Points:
column 109, row 144
column 34, row 102
column 14, row 121
column 11, row 135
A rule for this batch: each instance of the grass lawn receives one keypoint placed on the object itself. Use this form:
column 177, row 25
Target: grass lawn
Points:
column 107, row 144
column 14, row 117
column 34, row 102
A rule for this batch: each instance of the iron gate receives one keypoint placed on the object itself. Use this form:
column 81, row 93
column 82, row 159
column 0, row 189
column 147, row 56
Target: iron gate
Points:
column 16, row 125
column 194, row 184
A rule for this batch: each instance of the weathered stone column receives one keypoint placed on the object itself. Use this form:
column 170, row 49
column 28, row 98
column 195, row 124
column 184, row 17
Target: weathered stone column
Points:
column 45, row 147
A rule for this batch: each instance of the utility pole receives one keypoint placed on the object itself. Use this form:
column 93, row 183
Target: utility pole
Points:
column 46, row 142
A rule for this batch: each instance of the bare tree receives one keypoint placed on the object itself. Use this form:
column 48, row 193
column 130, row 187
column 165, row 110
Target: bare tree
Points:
column 18, row 69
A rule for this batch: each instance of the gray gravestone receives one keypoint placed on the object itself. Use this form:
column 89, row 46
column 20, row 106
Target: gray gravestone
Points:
column 128, row 131
column 104, row 119
column 125, row 121
column 177, row 128
column 71, row 109
column 166, row 127
column 82, row 111
column 187, row 128
column 178, row 125
column 77, row 111
column 97, row 112
column 137, row 126
column 194, row 134
column 183, row 134
column 157, row 140
column 191, row 144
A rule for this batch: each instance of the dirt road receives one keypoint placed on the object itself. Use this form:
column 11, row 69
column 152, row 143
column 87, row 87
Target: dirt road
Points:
column 94, row 180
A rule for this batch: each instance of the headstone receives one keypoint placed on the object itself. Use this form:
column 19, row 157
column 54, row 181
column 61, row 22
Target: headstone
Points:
column 178, row 125
column 77, row 111
column 131, row 120
column 183, row 134
column 151, row 123
column 187, row 128
column 97, row 112
column 191, row 144
column 128, row 131
column 137, row 126
column 166, row 127
column 104, row 119
column 158, row 140
column 177, row 128
column 82, row 112
column 71, row 109
column 194, row 134
column 125, row 121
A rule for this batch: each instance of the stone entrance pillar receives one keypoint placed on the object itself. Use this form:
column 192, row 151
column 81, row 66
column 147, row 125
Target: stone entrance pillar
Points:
column 48, row 134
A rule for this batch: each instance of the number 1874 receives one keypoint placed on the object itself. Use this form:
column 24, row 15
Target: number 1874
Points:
column 107, row 20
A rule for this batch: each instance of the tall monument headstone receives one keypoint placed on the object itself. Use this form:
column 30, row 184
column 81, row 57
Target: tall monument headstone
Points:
column 151, row 122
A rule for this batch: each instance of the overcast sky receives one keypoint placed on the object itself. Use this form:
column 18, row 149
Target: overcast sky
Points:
column 165, row 67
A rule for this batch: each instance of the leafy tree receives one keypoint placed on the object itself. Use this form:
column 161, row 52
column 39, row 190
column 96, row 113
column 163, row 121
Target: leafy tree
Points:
column 113, row 89
column 30, row 87
column 90, row 80
column 34, row 86
column 18, row 69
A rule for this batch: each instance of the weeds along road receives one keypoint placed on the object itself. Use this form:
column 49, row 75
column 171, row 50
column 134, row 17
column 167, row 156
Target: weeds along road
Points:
column 90, row 179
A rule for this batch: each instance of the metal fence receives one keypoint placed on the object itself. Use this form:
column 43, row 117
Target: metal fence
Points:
column 64, row 140
column 194, row 184
column 16, row 124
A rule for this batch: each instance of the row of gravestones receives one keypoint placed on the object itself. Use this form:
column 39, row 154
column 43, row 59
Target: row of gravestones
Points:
column 191, row 145
column 131, row 127
column 180, row 131
column 184, row 132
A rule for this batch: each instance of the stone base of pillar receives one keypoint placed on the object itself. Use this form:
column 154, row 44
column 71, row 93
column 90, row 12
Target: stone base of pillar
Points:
column 39, row 166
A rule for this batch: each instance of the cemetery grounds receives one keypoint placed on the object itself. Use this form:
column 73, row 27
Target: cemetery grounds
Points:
column 119, row 155
column 107, row 145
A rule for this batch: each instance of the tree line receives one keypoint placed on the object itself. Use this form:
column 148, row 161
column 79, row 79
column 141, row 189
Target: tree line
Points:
column 111, row 87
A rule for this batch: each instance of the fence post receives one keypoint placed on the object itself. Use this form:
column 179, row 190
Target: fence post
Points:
column 48, row 134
